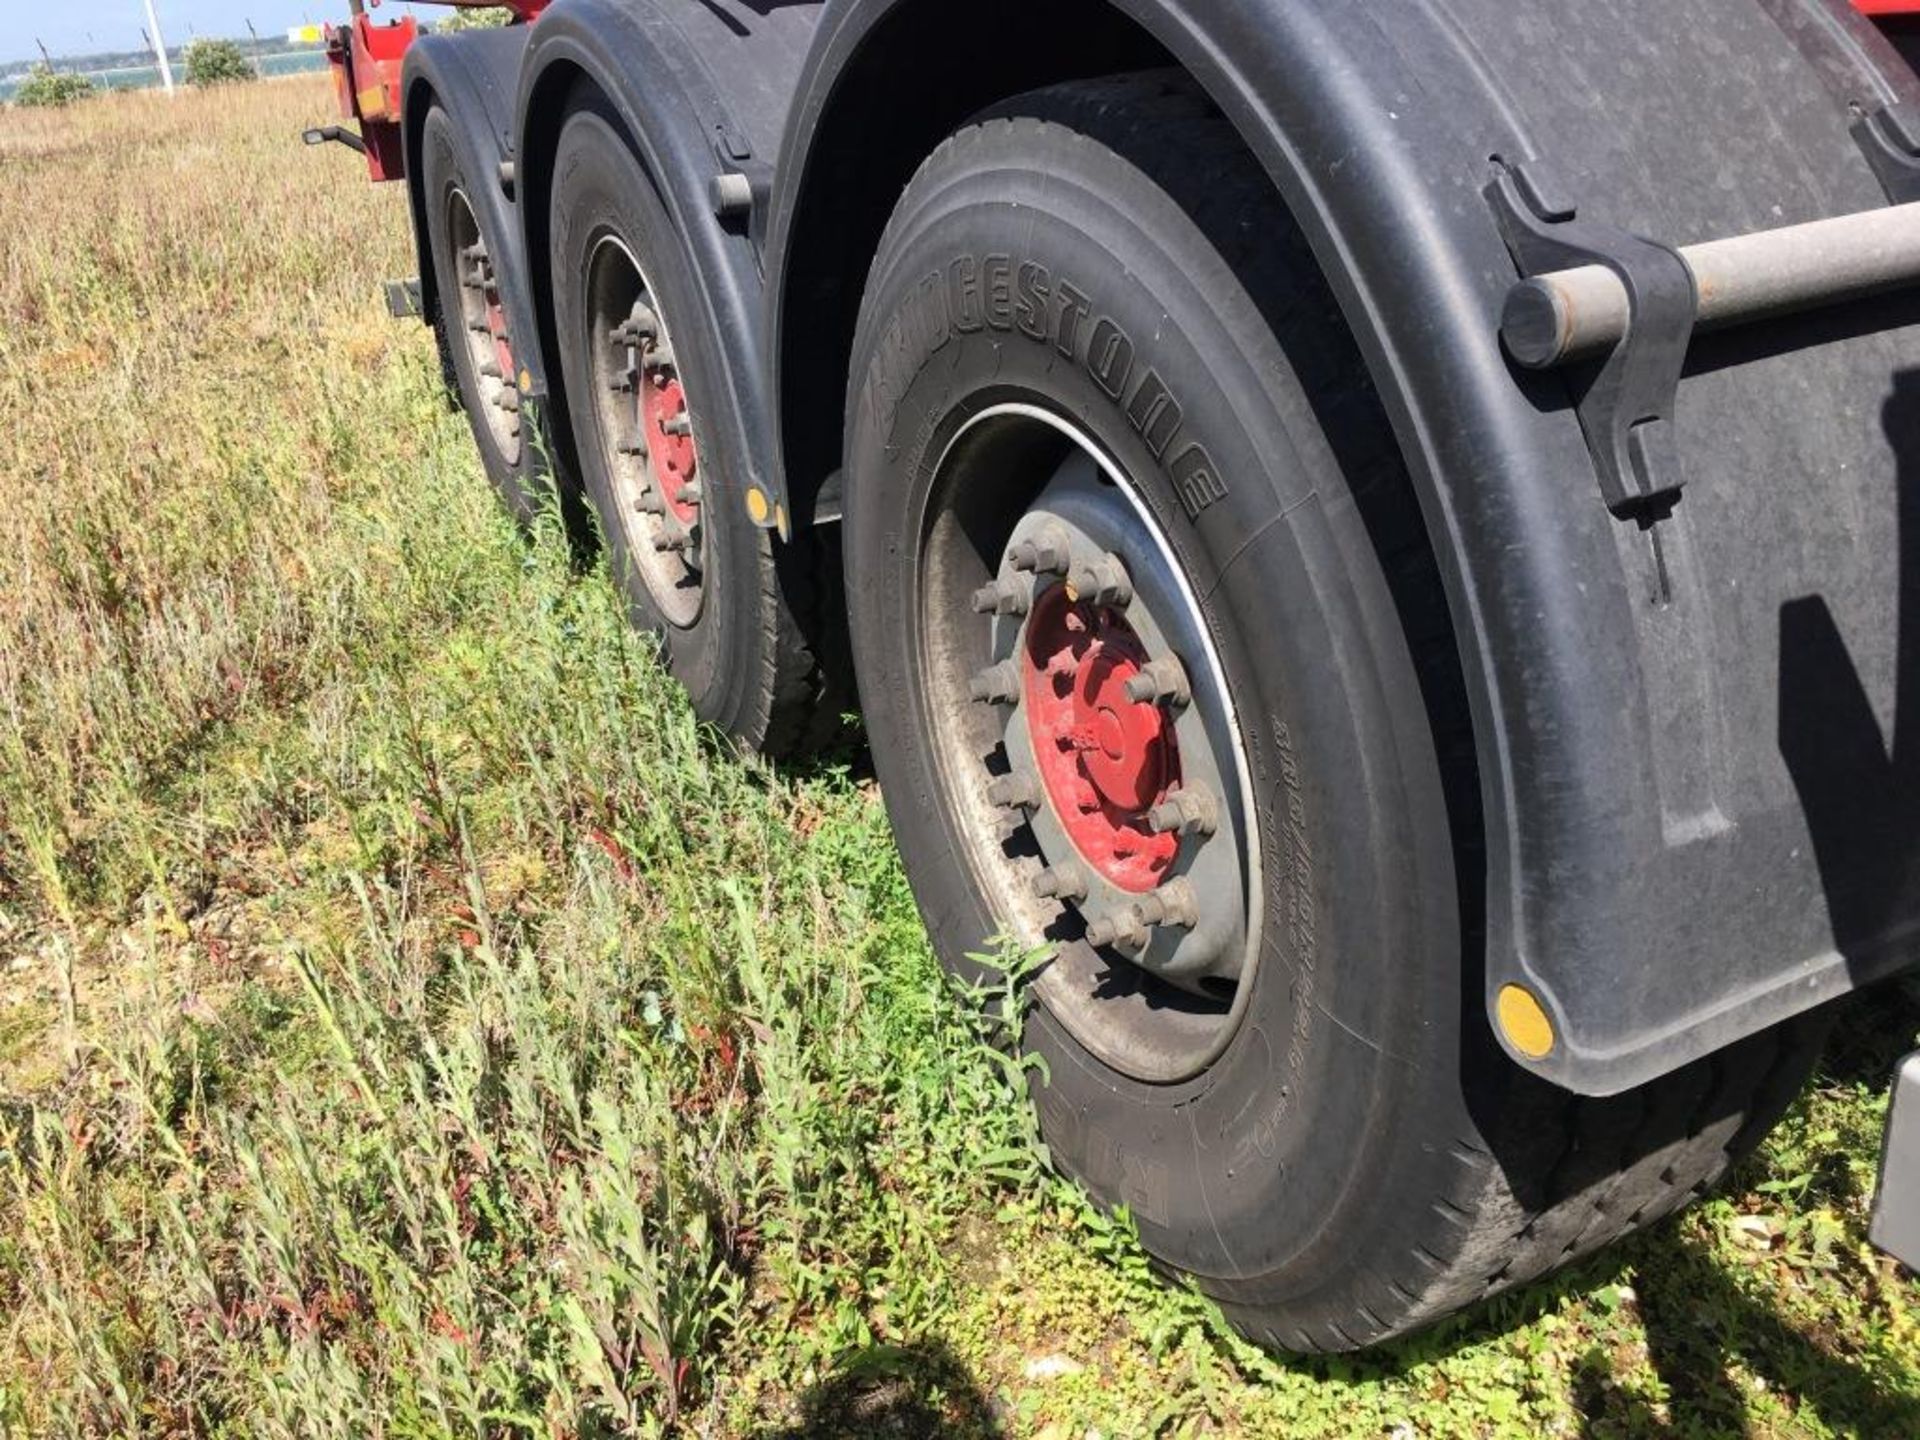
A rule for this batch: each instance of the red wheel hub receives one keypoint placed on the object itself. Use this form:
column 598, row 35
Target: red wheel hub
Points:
column 1105, row 759
column 497, row 329
column 662, row 400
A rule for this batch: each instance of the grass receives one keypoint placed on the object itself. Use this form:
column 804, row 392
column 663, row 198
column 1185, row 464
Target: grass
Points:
column 411, row 1023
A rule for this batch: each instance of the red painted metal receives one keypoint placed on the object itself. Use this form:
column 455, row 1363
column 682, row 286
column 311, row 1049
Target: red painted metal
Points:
column 1106, row 760
column 366, row 60
column 1888, row 7
column 673, row 459
column 497, row 331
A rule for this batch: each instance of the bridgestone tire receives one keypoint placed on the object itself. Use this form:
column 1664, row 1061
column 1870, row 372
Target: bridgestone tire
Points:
column 1361, row 1160
column 518, row 477
column 745, row 660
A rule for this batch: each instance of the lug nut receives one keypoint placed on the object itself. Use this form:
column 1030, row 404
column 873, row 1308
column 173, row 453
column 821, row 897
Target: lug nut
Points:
column 1120, row 929
column 650, row 503
column 1101, row 582
column 640, row 326
column 1066, row 881
column 669, row 542
column 691, row 493
column 1162, row 679
column 1173, row 903
column 997, row 684
column 1187, row 811
column 1004, row 597
column 508, row 399
column 1045, row 552
column 681, row 424
column 1015, row 792
column 635, row 448
column 660, row 357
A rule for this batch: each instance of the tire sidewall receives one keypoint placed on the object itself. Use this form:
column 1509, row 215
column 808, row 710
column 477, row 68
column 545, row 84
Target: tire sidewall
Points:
column 1349, row 1040
column 600, row 189
column 444, row 169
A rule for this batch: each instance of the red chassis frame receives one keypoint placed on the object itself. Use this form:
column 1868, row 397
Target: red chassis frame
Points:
column 366, row 59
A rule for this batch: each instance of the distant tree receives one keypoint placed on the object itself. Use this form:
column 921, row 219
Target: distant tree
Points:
column 484, row 17
column 45, row 85
column 216, row 62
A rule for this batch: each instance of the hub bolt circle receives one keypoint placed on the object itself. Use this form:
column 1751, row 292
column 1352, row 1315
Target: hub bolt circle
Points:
column 1164, row 679
column 1121, row 930
column 997, row 684
column 1101, row 582
column 1045, row 553
column 1065, row 881
column 1015, row 792
column 1189, row 810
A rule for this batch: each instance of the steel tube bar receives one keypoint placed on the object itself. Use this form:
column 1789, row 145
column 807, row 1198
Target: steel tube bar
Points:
column 1577, row 314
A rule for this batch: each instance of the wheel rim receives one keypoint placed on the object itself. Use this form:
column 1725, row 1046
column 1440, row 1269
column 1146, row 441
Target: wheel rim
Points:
column 483, row 328
column 1088, row 744
column 646, row 433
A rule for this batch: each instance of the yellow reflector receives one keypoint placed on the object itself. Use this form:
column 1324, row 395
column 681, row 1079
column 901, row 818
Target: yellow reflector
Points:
column 1523, row 1022
column 757, row 505
column 526, row 380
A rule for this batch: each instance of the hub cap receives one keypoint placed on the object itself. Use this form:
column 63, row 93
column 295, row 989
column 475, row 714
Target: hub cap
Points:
column 1105, row 759
column 646, row 426
column 483, row 326
column 1111, row 794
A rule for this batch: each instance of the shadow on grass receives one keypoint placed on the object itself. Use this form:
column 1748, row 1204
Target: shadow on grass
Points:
column 1697, row 1322
column 890, row 1392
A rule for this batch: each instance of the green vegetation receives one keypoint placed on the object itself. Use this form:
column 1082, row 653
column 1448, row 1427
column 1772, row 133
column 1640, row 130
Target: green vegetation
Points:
column 216, row 62
column 47, row 87
column 412, row 1023
column 480, row 17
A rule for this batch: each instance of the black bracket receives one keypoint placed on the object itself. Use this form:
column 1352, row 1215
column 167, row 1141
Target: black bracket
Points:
column 1890, row 139
column 1626, row 401
column 338, row 134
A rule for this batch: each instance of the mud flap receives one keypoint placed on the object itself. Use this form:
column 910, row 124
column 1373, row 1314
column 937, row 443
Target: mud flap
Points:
column 1896, row 1205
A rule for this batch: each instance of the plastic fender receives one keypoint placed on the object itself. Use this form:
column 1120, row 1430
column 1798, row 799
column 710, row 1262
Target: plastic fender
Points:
column 703, row 91
column 474, row 76
column 1699, row 817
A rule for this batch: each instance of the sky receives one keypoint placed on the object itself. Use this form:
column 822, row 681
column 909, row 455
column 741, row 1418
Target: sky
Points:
column 75, row 27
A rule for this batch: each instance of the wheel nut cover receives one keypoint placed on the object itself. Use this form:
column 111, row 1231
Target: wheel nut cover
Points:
column 1087, row 731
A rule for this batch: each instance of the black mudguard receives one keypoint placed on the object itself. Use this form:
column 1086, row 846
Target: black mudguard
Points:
column 703, row 87
column 474, row 76
column 1702, row 811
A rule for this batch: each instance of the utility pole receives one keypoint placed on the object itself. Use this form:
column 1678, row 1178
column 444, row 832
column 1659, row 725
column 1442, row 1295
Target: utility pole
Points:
column 159, row 42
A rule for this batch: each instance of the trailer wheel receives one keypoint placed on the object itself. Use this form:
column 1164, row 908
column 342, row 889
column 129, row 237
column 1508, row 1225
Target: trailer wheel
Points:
column 475, row 344
column 1159, row 680
column 642, row 387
